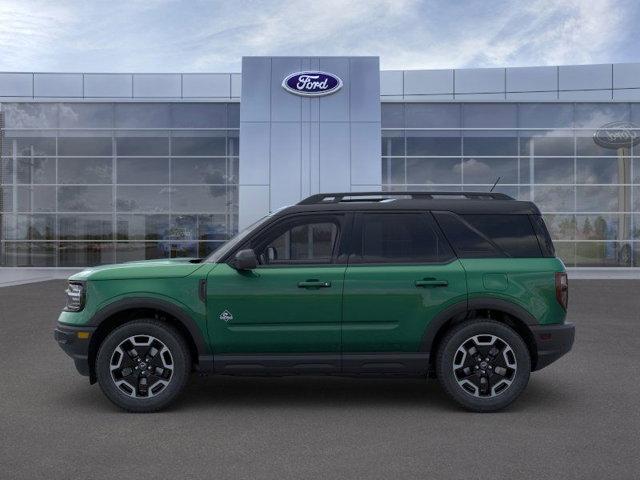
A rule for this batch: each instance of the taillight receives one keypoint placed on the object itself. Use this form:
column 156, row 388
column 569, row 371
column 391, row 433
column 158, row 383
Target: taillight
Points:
column 562, row 289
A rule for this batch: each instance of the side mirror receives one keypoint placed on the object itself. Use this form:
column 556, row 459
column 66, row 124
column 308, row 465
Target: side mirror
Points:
column 245, row 260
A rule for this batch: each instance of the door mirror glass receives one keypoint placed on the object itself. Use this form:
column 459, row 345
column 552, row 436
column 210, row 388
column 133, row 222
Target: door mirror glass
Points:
column 245, row 260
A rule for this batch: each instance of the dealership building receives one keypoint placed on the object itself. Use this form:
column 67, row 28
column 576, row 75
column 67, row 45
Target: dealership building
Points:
column 101, row 167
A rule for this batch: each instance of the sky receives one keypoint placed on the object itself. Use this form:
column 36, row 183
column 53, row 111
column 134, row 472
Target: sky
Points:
column 212, row 36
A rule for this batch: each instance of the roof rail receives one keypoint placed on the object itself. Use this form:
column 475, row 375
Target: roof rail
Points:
column 380, row 196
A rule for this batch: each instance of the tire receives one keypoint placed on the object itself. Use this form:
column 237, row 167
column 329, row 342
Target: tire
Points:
column 151, row 346
column 460, row 368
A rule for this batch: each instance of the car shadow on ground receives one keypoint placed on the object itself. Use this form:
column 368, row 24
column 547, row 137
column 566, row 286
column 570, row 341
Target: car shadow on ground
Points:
column 236, row 393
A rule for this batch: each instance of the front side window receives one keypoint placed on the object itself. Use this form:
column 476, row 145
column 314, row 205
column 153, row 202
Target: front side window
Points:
column 401, row 238
column 300, row 241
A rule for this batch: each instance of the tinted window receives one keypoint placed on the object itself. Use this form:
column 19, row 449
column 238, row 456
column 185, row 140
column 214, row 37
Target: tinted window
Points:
column 478, row 236
column 512, row 233
column 467, row 242
column 311, row 242
column 543, row 236
column 404, row 237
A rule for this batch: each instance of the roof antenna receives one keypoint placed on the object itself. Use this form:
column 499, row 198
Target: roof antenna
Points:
column 494, row 185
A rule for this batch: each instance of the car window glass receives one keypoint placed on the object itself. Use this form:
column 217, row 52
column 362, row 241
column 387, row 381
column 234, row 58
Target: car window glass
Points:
column 512, row 233
column 466, row 241
column 301, row 243
column 402, row 237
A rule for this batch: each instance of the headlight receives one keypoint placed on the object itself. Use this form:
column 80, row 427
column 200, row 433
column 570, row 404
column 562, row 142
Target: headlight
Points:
column 75, row 297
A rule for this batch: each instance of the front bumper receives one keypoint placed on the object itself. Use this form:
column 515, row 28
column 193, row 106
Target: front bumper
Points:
column 552, row 342
column 75, row 343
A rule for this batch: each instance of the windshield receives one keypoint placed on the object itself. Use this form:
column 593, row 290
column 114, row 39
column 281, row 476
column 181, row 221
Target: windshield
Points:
column 235, row 241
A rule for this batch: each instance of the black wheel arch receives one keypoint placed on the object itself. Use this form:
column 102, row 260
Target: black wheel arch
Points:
column 125, row 310
column 480, row 307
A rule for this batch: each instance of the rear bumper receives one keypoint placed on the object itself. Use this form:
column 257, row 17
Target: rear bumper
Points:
column 74, row 346
column 552, row 342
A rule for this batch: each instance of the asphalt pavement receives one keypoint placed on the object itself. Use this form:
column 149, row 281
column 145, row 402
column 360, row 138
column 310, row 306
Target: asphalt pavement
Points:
column 577, row 419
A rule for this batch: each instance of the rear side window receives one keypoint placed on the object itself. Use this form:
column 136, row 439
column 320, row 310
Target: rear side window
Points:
column 401, row 238
column 514, row 234
column 466, row 240
column 488, row 235
column 544, row 239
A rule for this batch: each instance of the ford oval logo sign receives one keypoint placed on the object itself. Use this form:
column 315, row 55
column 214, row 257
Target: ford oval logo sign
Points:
column 312, row 84
column 617, row 135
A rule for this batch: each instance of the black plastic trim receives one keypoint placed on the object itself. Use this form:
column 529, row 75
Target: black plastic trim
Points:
column 156, row 304
column 395, row 363
column 462, row 308
column 457, row 310
column 552, row 342
column 277, row 364
column 511, row 308
column 202, row 290
column 76, row 348
column 348, row 364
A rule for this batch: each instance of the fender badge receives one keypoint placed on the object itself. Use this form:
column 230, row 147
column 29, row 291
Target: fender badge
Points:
column 226, row 316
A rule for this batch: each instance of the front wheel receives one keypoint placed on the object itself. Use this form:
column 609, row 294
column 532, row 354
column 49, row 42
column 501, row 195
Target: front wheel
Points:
column 483, row 365
column 143, row 365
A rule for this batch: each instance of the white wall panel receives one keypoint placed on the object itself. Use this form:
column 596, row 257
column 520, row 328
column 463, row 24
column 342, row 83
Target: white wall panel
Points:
column 157, row 85
column 256, row 90
column 284, row 106
column 16, row 84
column 532, row 79
column 335, row 107
column 585, row 77
column 365, row 154
column 254, row 200
column 57, row 85
column 334, row 157
column 626, row 75
column 203, row 85
column 108, row 85
column 479, row 80
column 285, row 163
column 585, row 95
column 428, row 82
column 391, row 82
column 365, row 86
column 255, row 146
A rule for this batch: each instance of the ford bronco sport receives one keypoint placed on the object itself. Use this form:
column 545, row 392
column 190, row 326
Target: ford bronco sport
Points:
column 462, row 286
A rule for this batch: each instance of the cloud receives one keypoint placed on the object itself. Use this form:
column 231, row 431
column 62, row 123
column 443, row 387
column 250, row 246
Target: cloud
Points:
column 174, row 36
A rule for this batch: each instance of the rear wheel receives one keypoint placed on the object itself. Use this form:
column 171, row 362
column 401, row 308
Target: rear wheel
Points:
column 483, row 365
column 143, row 365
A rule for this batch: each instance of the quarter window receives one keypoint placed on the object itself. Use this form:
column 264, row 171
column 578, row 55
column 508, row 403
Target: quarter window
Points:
column 512, row 233
column 489, row 235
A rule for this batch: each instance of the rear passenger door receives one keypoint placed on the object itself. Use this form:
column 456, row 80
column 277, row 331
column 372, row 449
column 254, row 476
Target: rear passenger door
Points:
column 402, row 273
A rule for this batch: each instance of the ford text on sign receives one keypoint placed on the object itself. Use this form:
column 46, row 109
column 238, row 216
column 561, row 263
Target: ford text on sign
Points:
column 312, row 84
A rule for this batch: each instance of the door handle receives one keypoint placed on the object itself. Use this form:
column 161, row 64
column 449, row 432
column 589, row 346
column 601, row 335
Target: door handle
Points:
column 431, row 282
column 314, row 284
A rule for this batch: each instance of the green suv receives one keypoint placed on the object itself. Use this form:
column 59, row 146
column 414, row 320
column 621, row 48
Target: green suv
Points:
column 461, row 286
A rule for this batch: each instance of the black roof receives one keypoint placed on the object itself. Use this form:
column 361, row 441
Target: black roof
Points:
column 457, row 202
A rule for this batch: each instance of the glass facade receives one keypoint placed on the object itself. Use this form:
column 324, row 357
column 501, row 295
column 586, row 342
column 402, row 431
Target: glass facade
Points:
column 92, row 183
column 545, row 152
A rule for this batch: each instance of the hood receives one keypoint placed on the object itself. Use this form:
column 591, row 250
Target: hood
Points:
column 164, row 268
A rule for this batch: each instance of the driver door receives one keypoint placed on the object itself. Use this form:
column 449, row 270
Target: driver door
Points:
column 290, row 304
